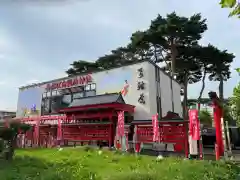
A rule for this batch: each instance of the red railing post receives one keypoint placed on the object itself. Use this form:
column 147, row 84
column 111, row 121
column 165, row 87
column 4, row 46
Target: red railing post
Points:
column 186, row 145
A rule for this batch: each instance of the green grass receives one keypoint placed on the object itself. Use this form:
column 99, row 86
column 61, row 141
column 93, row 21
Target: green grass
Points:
column 78, row 164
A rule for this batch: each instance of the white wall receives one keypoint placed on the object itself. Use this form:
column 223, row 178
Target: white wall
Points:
column 177, row 98
column 152, row 90
column 166, row 93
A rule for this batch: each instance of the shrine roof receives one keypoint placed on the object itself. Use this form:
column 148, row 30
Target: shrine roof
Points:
column 99, row 99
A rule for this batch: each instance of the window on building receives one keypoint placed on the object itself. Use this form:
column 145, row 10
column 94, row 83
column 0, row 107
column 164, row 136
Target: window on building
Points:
column 78, row 95
column 56, row 93
column 67, row 98
column 58, row 99
column 88, row 87
column 93, row 86
column 90, row 93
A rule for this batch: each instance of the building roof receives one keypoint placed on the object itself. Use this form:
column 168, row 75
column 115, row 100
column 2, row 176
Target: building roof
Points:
column 7, row 114
column 106, row 101
column 82, row 74
column 5, row 111
column 99, row 99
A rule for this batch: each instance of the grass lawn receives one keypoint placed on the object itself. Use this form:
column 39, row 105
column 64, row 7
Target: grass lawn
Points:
column 79, row 164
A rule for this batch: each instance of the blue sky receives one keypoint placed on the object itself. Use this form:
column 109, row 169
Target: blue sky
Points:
column 38, row 41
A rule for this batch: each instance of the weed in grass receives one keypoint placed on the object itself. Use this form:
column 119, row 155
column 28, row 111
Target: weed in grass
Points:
column 88, row 148
column 135, row 176
column 115, row 160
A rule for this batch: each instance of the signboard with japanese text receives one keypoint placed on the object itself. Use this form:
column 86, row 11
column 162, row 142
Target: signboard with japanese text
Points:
column 120, row 126
column 156, row 137
column 194, row 124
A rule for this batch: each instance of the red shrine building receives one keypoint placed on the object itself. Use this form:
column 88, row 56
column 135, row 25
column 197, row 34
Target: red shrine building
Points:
column 86, row 105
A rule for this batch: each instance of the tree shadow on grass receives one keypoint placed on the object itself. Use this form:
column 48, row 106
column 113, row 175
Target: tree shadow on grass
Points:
column 29, row 168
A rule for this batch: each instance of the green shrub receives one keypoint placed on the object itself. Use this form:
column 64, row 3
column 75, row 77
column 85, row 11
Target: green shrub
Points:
column 8, row 136
column 1, row 145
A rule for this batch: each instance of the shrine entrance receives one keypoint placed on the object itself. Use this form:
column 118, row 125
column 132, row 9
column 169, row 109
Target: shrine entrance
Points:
column 90, row 120
column 93, row 120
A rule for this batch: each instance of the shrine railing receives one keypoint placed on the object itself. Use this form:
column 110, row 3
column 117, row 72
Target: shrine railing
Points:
column 169, row 133
column 86, row 132
column 66, row 129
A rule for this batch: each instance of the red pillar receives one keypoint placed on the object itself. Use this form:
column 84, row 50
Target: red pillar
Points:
column 59, row 131
column 36, row 131
column 217, row 121
column 137, row 143
column 111, row 135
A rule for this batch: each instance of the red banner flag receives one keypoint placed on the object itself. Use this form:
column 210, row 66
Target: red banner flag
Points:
column 155, row 124
column 194, row 124
column 120, row 123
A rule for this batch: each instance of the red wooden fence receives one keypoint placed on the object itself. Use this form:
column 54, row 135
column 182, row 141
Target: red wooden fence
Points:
column 169, row 132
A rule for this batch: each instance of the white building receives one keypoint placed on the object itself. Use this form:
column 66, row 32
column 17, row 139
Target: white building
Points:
column 6, row 114
column 142, row 84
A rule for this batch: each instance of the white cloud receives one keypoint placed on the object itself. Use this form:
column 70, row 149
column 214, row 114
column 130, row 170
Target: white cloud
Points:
column 7, row 42
column 32, row 81
column 2, row 56
column 2, row 83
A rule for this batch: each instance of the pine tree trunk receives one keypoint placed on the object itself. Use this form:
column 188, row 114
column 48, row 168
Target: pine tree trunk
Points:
column 202, row 89
column 221, row 89
column 173, row 59
column 185, row 97
column 155, row 55
column 173, row 55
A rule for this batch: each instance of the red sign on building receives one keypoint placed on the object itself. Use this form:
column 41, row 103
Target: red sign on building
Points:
column 120, row 123
column 80, row 80
column 155, row 124
column 194, row 124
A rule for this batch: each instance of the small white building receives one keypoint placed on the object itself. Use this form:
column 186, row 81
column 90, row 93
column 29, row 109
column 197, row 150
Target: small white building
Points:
column 143, row 84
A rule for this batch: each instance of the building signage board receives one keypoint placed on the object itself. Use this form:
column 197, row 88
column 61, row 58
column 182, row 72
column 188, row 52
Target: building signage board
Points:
column 79, row 80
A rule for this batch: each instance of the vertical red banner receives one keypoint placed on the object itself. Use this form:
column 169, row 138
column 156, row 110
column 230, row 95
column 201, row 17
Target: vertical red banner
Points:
column 194, row 124
column 217, row 121
column 156, row 137
column 120, row 124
